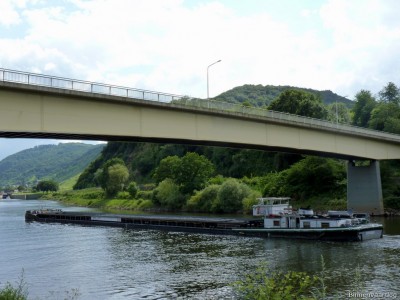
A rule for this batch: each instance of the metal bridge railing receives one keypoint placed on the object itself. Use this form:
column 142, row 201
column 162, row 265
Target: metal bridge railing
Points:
column 84, row 86
column 132, row 93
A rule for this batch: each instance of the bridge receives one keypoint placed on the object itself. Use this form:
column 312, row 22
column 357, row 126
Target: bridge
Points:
column 41, row 106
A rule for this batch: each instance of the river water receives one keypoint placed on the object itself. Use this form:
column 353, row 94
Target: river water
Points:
column 58, row 261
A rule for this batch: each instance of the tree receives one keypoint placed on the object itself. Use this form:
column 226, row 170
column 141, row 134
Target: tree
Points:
column 118, row 175
column 390, row 94
column 300, row 103
column 193, row 172
column 314, row 175
column 385, row 117
column 190, row 172
column 47, row 186
column 168, row 168
column 101, row 175
column 363, row 107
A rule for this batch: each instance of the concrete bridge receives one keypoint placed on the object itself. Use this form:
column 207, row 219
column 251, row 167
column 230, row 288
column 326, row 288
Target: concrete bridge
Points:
column 40, row 106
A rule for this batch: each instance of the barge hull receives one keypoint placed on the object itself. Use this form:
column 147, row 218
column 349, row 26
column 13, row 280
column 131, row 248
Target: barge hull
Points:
column 358, row 233
column 220, row 226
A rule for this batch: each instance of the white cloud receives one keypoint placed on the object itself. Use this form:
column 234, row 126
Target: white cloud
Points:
column 9, row 11
column 166, row 45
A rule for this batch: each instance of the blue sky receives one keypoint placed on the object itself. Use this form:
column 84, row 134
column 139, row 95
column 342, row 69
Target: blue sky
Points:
column 166, row 45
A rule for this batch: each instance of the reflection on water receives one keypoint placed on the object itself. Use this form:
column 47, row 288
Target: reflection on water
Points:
column 114, row 263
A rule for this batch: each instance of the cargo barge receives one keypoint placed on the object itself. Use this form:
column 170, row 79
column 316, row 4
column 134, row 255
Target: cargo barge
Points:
column 158, row 222
column 278, row 220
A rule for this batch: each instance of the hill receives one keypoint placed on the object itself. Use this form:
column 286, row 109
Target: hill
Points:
column 56, row 162
column 260, row 96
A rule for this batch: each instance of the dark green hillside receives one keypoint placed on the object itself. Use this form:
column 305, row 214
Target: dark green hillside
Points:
column 56, row 162
column 260, row 96
column 143, row 158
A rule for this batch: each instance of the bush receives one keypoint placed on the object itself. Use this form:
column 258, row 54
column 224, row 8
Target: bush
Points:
column 147, row 195
column 124, row 195
column 230, row 196
column 167, row 194
column 17, row 292
column 132, row 189
column 392, row 202
column 267, row 284
column 251, row 200
column 203, row 200
column 145, row 204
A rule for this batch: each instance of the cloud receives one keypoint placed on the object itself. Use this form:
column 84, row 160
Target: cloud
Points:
column 9, row 14
column 167, row 45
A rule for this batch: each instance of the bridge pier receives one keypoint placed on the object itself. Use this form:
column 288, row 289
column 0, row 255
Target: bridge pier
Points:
column 364, row 188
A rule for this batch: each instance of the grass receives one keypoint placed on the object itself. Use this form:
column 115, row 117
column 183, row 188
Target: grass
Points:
column 69, row 183
column 94, row 197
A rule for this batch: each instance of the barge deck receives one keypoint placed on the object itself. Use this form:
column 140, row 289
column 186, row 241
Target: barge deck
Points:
column 158, row 222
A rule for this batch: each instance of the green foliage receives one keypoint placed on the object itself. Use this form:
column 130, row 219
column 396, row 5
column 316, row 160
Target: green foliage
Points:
column 123, row 195
column 168, row 194
column 339, row 113
column 251, row 200
column 363, row 107
column 313, row 176
column 300, row 103
column 266, row 284
column 132, row 189
column 19, row 291
column 168, row 168
column 392, row 202
column 47, row 186
column 194, row 172
column 230, row 196
column 308, row 177
column 117, row 176
column 275, row 184
column 204, row 200
column 390, row 94
column 190, row 172
column 57, row 162
column 101, row 175
column 385, row 117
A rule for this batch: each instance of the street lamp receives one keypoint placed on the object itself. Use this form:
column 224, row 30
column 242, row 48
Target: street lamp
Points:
column 208, row 96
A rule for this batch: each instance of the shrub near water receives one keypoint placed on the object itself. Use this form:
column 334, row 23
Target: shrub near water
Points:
column 265, row 284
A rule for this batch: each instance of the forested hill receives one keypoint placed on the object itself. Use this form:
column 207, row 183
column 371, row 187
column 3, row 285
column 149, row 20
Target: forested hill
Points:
column 55, row 162
column 259, row 95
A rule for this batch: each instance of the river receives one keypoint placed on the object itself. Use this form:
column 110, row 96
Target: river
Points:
column 113, row 263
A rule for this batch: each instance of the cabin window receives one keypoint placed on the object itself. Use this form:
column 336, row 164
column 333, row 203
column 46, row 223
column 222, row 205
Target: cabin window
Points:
column 324, row 225
column 306, row 225
column 277, row 223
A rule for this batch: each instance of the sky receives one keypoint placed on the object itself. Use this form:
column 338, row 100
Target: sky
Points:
column 167, row 45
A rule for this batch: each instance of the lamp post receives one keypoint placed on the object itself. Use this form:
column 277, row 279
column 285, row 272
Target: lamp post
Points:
column 208, row 95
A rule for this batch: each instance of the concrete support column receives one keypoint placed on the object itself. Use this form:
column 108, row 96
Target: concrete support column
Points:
column 364, row 188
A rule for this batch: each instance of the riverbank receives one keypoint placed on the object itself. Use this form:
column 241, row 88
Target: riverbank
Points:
column 94, row 198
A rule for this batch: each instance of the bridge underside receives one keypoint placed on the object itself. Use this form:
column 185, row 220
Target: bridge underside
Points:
column 112, row 138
